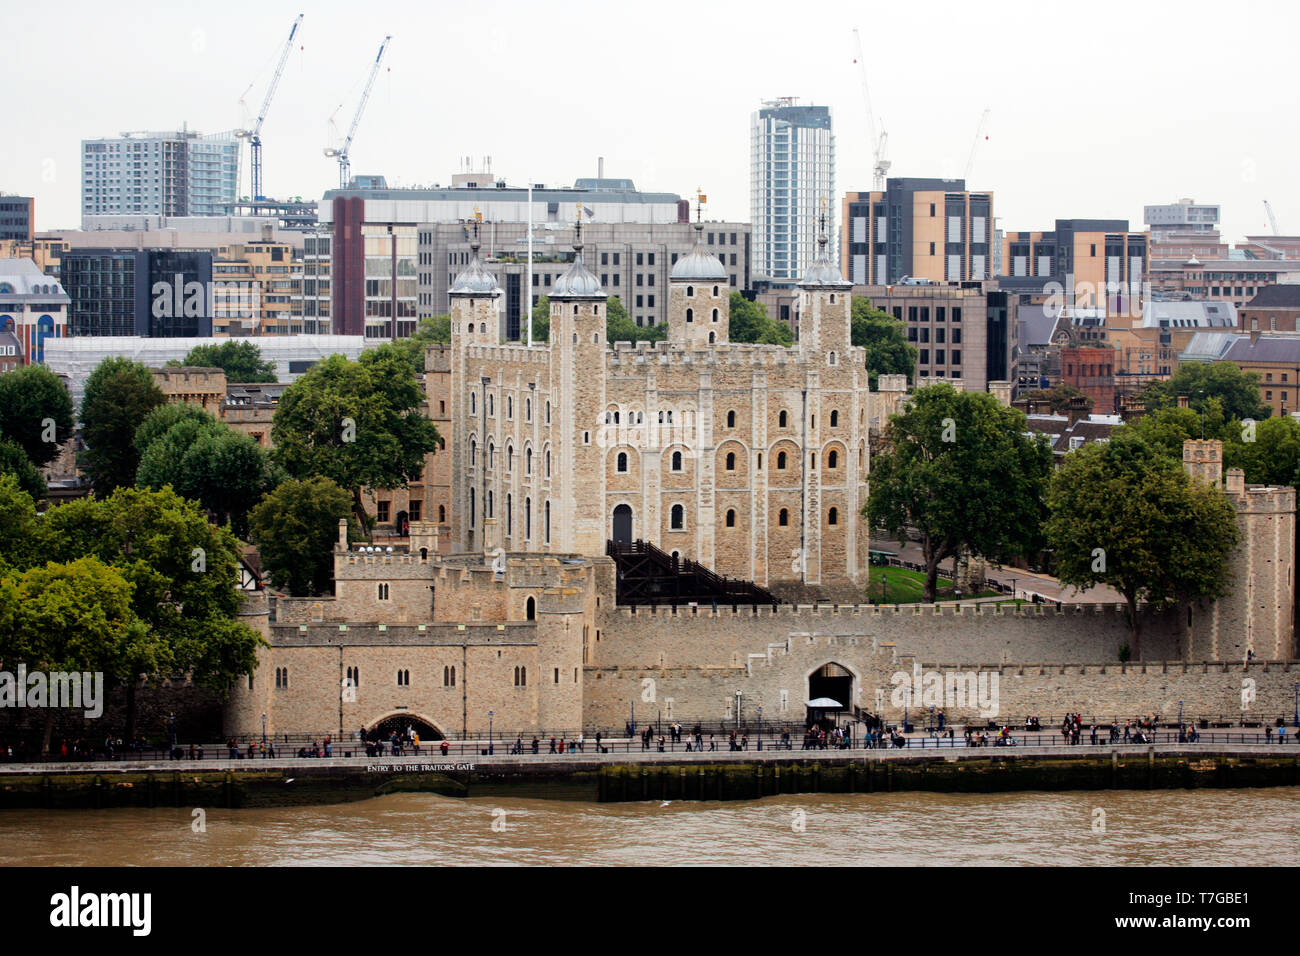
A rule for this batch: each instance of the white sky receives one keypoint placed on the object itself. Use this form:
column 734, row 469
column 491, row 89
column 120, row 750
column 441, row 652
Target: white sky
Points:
column 1097, row 108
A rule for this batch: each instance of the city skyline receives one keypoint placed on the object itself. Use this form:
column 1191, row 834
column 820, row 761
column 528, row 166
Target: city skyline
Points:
column 1173, row 130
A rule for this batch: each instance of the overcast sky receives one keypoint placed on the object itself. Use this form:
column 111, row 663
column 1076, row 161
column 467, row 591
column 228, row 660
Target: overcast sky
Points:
column 1096, row 108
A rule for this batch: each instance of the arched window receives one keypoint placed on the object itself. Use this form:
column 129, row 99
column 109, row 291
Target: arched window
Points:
column 780, row 462
column 782, row 419
column 833, row 516
column 731, row 518
column 831, row 359
column 690, row 315
column 832, row 303
column 528, row 518
column 690, row 293
column 548, row 522
column 548, row 413
column 715, row 312
column 528, row 461
column 449, row 677
column 530, row 608
column 678, row 520
column 510, row 459
column 528, row 409
column 473, row 403
column 492, row 455
column 548, row 463
column 731, row 461
column 381, row 590
column 424, row 554
column 835, row 419
column 832, row 459
column 712, row 338
column 442, row 514
column 677, row 461
column 622, row 462
column 731, row 419
column 473, row 452
column 783, row 518
column 510, row 407
column 488, row 501
column 492, row 406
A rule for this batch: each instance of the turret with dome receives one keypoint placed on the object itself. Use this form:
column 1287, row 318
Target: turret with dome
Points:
column 698, row 298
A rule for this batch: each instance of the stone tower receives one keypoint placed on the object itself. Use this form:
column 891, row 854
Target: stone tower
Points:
column 475, row 321
column 824, row 307
column 698, row 299
column 576, row 508
column 1203, row 459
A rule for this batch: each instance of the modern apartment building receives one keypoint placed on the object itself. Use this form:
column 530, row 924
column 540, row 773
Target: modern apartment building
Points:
column 181, row 173
column 1184, row 216
column 162, row 293
column 792, row 183
column 1098, row 263
column 17, row 217
column 967, row 333
column 933, row 229
column 632, row 260
column 389, row 256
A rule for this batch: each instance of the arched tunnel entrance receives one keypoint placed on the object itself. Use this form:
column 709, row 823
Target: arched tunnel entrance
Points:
column 400, row 723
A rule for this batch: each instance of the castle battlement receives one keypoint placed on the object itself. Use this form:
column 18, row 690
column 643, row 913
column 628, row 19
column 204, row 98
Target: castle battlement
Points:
column 820, row 611
column 535, row 355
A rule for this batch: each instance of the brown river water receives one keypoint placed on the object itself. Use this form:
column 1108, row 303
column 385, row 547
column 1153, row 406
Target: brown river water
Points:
column 1174, row 828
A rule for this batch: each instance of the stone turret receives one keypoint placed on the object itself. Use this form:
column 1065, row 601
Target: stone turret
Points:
column 698, row 299
column 824, row 306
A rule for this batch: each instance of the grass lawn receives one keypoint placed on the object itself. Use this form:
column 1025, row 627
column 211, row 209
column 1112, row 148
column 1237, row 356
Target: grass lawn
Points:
column 901, row 586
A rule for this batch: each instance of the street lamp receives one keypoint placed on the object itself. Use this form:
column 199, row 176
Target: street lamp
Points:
column 760, row 726
column 489, row 733
column 884, row 588
column 1180, row 721
column 1296, row 718
column 1013, row 589
column 171, row 725
column 264, row 736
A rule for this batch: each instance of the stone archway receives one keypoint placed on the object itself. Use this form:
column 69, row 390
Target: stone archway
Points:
column 831, row 681
column 399, row 721
column 622, row 524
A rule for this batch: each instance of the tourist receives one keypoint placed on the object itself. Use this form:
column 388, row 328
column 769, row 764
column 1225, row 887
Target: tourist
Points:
column 553, row 745
column 536, row 746
column 662, row 741
column 415, row 743
column 1268, row 734
column 713, row 744
column 580, row 743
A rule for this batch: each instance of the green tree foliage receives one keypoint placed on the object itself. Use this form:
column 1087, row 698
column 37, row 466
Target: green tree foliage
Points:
column 619, row 326
column 295, row 528
column 1271, row 456
column 241, row 361
column 160, row 421
column 749, row 322
column 1123, row 514
column 35, row 412
column 360, row 424
column 432, row 330
column 957, row 468
column 1237, row 391
column 885, row 339
column 204, row 460
column 119, row 396
column 17, row 523
column 1058, row 398
column 542, row 320
column 14, row 461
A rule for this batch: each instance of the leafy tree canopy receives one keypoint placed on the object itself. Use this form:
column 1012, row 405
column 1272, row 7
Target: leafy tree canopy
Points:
column 885, row 339
column 35, row 412
column 295, row 528
column 14, row 461
column 1237, row 391
column 749, row 322
column 241, row 361
column 1059, row 398
column 119, row 395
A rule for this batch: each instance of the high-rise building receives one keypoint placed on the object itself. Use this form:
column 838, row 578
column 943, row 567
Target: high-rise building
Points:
column 1186, row 215
column 791, row 185
column 181, row 173
column 1098, row 263
column 933, row 229
column 17, row 217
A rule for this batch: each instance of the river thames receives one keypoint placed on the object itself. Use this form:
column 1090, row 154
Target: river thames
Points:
column 1094, row 828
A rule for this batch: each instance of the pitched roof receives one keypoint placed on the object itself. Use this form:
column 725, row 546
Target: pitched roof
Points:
column 1281, row 296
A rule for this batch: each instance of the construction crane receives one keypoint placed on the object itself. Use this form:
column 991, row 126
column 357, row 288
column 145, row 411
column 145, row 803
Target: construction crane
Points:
column 345, row 166
column 1272, row 220
column 880, row 165
column 979, row 134
column 254, row 135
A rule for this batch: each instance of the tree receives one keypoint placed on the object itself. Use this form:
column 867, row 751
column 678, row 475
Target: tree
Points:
column 542, row 320
column 225, row 470
column 885, row 339
column 1269, row 452
column 241, row 361
column 1123, row 514
column 17, row 523
column 958, row 468
column 160, row 421
column 432, row 330
column 35, row 412
column 119, row 395
column 358, row 423
column 619, row 326
column 1237, row 391
column 70, row 617
column 748, row 321
column 1166, row 429
column 295, row 528
column 14, row 461
column 1059, row 398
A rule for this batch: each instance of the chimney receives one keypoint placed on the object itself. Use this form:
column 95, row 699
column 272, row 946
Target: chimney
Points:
column 600, row 167
column 343, row 534
column 1254, row 336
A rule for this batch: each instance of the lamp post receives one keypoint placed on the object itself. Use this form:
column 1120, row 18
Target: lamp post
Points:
column 264, row 736
column 489, row 733
column 171, row 728
column 1013, row 589
column 884, row 588
column 737, row 711
column 1296, row 716
column 760, row 726
column 1180, row 721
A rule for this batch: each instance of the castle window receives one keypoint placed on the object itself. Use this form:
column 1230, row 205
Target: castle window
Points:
column 783, row 518
column 510, row 408
column 492, row 406
column 424, row 554
column 832, row 298
column 521, row 676
column 831, row 359
column 731, row 461
column 833, row 516
column 548, row 522
column 678, row 520
column 690, row 315
column 557, row 675
column 780, row 462
column 622, row 463
column 471, row 507
column 530, row 609
column 488, row 510
column 510, row 458
column 449, row 677
column 381, row 511
column 403, row 678
column 677, row 461
column 473, row 404
column 715, row 311
column 548, row 463
column 382, row 591
column 760, row 459
column 548, row 413
column 528, row 518
column 528, row 461
column 782, row 419
column 731, row 518
column 509, row 514
column 832, row 459
column 731, row 419
column 528, row 409
column 690, row 293
column 835, row 419
column 282, row 678
column 575, row 312
column 482, row 327
column 712, row 338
